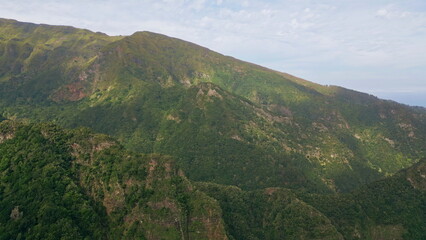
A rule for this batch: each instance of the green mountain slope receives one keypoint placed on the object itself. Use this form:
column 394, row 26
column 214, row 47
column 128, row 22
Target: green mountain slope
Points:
column 392, row 208
column 73, row 184
column 224, row 120
column 37, row 59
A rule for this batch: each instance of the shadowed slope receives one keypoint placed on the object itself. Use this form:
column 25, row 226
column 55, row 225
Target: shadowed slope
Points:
column 73, row 184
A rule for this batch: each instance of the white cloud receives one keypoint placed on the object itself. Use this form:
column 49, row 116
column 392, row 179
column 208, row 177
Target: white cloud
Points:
column 382, row 13
column 392, row 12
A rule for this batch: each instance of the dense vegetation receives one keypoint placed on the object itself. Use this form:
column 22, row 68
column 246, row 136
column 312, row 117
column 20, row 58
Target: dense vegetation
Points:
column 224, row 120
column 306, row 161
column 392, row 208
column 61, row 184
column 73, row 184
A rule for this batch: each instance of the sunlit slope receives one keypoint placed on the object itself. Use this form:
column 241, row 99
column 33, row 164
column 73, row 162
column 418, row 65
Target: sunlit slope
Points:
column 224, row 120
column 36, row 60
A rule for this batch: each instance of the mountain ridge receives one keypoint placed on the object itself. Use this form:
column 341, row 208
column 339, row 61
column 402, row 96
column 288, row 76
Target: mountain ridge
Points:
column 192, row 144
column 225, row 120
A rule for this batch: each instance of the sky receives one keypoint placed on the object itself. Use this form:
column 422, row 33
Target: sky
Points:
column 378, row 46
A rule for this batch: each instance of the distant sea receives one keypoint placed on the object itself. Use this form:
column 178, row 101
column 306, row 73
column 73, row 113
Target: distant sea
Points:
column 413, row 99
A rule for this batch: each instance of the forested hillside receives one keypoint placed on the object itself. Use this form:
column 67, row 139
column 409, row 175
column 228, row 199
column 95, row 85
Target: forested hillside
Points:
column 392, row 208
column 152, row 137
column 224, row 120
column 74, row 184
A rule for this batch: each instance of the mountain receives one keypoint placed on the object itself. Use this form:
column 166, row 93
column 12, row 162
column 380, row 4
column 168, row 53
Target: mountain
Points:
column 74, row 184
column 224, row 120
column 391, row 208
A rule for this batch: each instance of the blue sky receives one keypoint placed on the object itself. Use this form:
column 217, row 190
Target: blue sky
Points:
column 376, row 46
